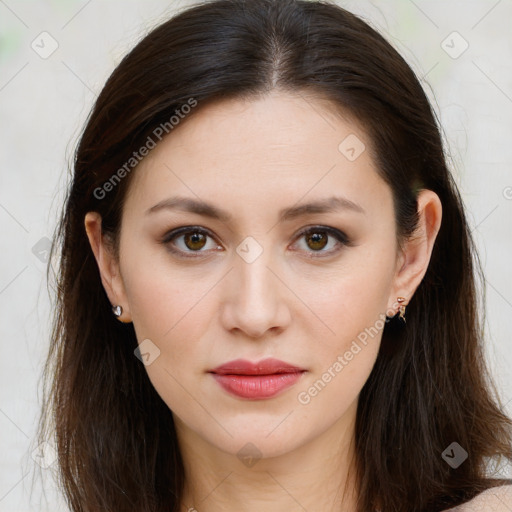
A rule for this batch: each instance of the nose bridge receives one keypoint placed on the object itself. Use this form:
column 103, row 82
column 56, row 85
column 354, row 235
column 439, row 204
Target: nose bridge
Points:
column 254, row 279
column 256, row 303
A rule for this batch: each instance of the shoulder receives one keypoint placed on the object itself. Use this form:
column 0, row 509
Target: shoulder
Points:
column 496, row 499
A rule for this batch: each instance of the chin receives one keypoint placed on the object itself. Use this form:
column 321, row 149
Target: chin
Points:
column 261, row 437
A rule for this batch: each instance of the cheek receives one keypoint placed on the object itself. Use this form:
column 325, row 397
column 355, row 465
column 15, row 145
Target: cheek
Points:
column 347, row 300
column 162, row 294
column 169, row 309
column 167, row 305
column 350, row 304
column 343, row 357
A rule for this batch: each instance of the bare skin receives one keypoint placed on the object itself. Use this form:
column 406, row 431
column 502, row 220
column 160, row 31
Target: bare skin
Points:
column 302, row 300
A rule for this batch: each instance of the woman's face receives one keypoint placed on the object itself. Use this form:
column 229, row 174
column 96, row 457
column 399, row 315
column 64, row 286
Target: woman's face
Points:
column 268, row 279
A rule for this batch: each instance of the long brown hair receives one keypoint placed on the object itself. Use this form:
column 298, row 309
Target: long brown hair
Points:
column 430, row 386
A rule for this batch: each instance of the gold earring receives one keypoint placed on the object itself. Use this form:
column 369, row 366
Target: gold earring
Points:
column 402, row 308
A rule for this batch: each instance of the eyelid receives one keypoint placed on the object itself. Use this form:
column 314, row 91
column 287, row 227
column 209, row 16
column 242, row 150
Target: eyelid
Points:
column 175, row 233
column 335, row 233
column 330, row 230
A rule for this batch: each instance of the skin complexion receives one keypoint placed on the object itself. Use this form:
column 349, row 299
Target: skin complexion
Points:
column 257, row 276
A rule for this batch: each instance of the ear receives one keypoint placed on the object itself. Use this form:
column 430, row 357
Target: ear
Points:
column 107, row 264
column 414, row 258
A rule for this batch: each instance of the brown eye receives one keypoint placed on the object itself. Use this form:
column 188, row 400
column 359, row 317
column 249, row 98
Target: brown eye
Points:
column 317, row 240
column 195, row 240
column 314, row 241
column 190, row 241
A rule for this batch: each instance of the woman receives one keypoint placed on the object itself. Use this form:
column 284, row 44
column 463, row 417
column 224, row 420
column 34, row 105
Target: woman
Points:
column 267, row 295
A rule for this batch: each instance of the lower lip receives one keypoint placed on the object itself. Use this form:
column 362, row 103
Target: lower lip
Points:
column 257, row 387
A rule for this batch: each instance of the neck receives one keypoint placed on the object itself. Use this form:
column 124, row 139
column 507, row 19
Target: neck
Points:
column 318, row 475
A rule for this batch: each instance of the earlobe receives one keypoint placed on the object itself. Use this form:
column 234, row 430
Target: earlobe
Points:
column 415, row 256
column 108, row 266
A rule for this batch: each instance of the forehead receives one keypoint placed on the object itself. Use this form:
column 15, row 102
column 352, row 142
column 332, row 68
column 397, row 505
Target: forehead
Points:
column 279, row 123
column 279, row 148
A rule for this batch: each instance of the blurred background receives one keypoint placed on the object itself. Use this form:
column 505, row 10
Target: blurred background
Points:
column 55, row 56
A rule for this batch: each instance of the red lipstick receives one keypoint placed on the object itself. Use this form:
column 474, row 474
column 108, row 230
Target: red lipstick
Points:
column 256, row 381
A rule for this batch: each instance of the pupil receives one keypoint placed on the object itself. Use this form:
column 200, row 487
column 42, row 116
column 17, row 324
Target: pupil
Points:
column 195, row 238
column 318, row 238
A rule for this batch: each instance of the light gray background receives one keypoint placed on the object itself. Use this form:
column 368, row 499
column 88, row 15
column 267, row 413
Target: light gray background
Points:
column 44, row 102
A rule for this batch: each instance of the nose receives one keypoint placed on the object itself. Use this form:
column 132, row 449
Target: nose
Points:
column 255, row 300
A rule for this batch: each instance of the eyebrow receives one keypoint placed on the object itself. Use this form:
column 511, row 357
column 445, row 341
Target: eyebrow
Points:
column 200, row 207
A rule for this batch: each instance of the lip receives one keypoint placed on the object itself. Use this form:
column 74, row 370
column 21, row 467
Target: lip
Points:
column 256, row 381
column 268, row 366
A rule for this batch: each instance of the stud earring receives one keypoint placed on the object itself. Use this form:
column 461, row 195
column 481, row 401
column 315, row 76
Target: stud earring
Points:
column 117, row 310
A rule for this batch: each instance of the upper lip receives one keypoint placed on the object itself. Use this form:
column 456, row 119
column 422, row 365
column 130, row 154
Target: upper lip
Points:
column 268, row 366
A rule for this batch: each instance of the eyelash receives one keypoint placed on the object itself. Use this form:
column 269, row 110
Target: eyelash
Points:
column 341, row 238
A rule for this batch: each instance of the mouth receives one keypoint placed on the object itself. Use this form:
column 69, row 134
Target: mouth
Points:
column 256, row 381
